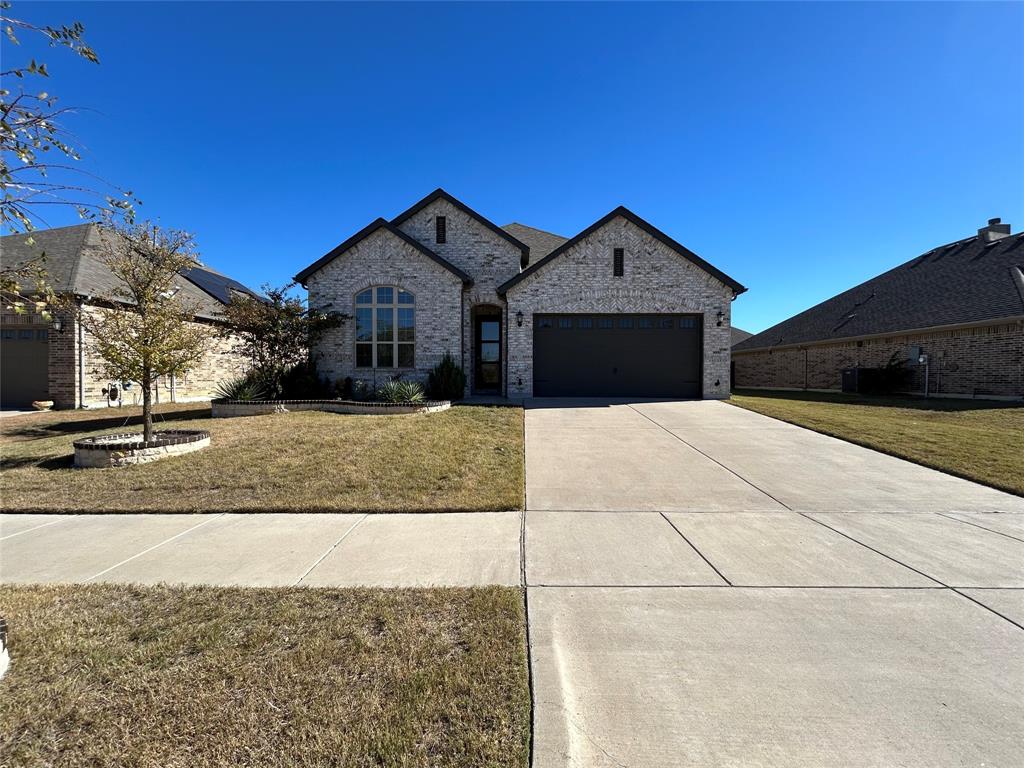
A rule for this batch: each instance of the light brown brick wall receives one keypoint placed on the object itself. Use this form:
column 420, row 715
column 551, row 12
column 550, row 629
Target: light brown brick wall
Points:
column 986, row 360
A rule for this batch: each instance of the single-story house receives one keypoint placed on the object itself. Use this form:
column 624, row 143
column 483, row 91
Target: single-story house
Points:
column 954, row 314
column 738, row 335
column 55, row 359
column 620, row 309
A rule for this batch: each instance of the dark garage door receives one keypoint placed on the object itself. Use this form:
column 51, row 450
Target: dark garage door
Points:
column 617, row 355
column 23, row 365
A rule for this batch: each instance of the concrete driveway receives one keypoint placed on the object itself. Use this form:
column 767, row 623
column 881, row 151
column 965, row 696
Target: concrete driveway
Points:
column 706, row 587
column 711, row 587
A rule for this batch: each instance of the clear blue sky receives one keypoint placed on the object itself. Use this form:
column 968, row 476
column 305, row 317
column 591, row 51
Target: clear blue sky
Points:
column 800, row 147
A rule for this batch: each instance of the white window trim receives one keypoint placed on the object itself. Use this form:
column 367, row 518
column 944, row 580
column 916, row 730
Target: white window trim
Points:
column 395, row 343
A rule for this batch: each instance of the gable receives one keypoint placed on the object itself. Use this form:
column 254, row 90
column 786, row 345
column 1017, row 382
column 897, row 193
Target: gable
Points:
column 586, row 240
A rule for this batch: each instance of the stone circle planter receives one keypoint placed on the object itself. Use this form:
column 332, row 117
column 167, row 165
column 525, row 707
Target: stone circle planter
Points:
column 129, row 448
column 227, row 408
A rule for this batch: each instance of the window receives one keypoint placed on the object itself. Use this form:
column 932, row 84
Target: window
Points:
column 625, row 322
column 25, row 334
column 42, row 335
column 565, row 322
column 618, row 261
column 385, row 328
column 688, row 322
column 665, row 322
column 645, row 322
column 545, row 322
column 8, row 333
column 441, row 229
column 605, row 322
column 586, row 322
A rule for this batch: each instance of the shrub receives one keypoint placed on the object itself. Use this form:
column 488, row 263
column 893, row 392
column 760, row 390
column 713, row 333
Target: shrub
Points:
column 446, row 380
column 361, row 390
column 247, row 387
column 894, row 376
column 396, row 391
column 304, row 382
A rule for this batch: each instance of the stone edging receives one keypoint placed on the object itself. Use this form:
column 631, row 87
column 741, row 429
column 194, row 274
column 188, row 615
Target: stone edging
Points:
column 126, row 448
column 227, row 408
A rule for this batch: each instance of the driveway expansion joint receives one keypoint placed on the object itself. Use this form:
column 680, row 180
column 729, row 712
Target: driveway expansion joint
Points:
column 322, row 557
column 978, row 525
column 694, row 548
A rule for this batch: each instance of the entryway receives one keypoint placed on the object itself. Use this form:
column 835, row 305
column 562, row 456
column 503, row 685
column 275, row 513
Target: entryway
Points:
column 487, row 350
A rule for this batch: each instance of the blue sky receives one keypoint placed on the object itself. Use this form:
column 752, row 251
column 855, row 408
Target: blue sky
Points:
column 801, row 148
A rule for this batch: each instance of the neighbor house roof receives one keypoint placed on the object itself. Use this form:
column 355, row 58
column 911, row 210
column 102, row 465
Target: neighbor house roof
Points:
column 440, row 194
column 541, row 243
column 73, row 259
column 364, row 233
column 738, row 335
column 647, row 227
column 960, row 283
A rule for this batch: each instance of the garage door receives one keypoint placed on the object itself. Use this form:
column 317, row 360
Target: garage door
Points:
column 617, row 355
column 23, row 365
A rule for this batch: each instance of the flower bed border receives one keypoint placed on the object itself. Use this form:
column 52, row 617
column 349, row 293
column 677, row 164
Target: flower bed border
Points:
column 124, row 448
column 222, row 409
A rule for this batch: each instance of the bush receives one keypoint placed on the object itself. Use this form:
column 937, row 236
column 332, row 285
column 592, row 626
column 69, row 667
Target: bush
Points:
column 894, row 376
column 397, row 391
column 304, row 382
column 446, row 380
column 361, row 390
column 247, row 387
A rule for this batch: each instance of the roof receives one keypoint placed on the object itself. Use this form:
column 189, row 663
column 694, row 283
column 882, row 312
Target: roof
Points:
column 541, row 243
column 440, row 194
column 364, row 233
column 963, row 282
column 738, row 335
column 647, row 227
column 73, row 259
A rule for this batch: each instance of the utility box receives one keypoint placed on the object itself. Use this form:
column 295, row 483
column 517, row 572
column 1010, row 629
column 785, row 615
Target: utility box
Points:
column 851, row 380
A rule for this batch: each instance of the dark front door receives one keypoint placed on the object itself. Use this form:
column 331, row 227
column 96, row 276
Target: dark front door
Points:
column 617, row 355
column 487, row 371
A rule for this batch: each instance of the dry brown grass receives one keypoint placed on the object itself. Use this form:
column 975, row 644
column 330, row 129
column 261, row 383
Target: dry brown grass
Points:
column 464, row 459
column 106, row 675
column 977, row 440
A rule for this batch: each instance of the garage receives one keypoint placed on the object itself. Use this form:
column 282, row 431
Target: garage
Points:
column 23, row 365
column 617, row 355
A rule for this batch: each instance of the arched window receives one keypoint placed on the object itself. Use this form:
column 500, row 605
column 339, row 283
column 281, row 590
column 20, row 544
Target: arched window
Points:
column 385, row 328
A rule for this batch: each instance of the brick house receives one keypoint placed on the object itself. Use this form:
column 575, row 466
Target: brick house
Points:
column 955, row 314
column 56, row 359
column 621, row 309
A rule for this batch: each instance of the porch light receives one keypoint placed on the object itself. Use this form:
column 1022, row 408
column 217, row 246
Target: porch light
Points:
column 721, row 317
column 58, row 325
column 519, row 318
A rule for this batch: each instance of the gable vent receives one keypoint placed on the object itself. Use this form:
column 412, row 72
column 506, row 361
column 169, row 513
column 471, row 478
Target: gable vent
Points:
column 618, row 262
column 441, row 229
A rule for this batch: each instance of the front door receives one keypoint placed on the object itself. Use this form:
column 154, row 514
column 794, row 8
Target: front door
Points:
column 487, row 372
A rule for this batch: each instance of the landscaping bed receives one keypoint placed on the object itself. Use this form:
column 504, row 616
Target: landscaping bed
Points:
column 978, row 440
column 106, row 675
column 223, row 409
column 465, row 459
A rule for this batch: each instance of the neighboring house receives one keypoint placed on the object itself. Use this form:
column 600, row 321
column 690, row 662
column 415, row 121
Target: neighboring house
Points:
column 960, row 305
column 621, row 309
column 56, row 359
column 738, row 335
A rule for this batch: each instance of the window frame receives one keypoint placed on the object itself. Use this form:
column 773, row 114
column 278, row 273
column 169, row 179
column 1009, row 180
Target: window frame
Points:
column 374, row 307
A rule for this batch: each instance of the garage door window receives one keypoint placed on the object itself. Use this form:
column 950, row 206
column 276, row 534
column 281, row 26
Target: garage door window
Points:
column 688, row 322
column 626, row 322
column 385, row 328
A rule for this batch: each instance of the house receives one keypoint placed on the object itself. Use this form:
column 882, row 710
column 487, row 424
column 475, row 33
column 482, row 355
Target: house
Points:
column 738, row 335
column 620, row 309
column 56, row 359
column 955, row 315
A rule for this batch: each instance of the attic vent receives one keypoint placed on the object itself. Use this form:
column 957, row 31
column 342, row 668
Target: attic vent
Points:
column 441, row 229
column 618, row 261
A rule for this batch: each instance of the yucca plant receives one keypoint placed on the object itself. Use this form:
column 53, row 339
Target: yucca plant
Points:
column 396, row 391
column 241, row 388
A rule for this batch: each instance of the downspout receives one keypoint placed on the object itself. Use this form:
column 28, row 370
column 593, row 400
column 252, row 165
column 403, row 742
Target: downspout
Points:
column 81, row 359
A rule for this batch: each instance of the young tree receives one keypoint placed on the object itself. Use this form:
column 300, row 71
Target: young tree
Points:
column 276, row 331
column 146, row 331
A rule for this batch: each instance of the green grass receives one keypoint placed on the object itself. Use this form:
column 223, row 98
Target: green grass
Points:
column 463, row 459
column 106, row 675
column 977, row 440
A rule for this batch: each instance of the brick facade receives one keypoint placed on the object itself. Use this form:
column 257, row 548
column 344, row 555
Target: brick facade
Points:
column 385, row 259
column 655, row 279
column 985, row 360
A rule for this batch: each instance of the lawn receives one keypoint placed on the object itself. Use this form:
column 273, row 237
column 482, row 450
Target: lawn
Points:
column 978, row 440
column 106, row 675
column 467, row 458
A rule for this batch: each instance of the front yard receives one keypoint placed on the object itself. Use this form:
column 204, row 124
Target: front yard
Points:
column 978, row 440
column 106, row 675
column 465, row 459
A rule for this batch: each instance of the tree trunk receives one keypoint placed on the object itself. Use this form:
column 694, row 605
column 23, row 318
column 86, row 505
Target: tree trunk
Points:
column 147, row 404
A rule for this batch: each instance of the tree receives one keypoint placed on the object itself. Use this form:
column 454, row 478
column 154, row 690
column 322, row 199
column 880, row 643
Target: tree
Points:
column 276, row 331
column 146, row 331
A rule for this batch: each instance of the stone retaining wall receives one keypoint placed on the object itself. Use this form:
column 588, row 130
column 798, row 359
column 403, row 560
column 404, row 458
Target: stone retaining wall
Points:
column 129, row 448
column 228, row 409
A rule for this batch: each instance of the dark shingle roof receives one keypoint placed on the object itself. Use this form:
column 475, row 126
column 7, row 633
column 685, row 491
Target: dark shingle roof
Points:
column 738, row 335
column 541, row 243
column 73, row 259
column 967, row 281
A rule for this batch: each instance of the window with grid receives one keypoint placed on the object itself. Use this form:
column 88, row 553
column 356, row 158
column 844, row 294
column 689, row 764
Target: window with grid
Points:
column 385, row 328
column 618, row 261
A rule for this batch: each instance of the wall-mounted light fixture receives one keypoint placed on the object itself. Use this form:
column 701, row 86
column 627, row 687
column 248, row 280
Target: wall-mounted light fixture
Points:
column 519, row 318
column 58, row 325
column 721, row 317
